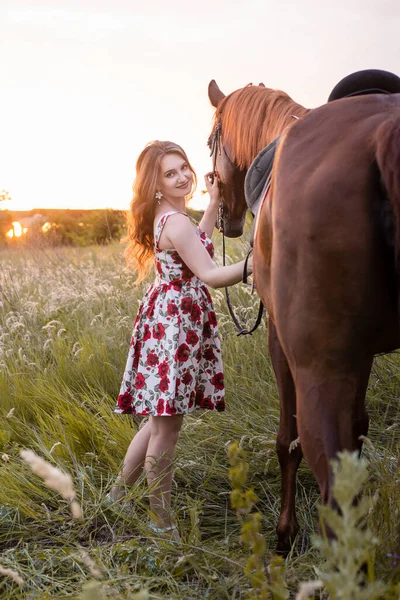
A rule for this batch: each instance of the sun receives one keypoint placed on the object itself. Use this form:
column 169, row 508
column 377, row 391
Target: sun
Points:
column 16, row 230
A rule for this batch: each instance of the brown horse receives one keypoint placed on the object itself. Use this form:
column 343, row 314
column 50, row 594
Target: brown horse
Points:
column 326, row 263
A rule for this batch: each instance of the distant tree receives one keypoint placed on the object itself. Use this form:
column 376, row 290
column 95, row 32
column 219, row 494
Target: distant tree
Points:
column 5, row 216
column 95, row 227
column 66, row 230
column 104, row 226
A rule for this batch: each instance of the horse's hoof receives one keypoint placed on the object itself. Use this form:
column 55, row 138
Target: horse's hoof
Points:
column 283, row 548
column 286, row 538
column 281, row 552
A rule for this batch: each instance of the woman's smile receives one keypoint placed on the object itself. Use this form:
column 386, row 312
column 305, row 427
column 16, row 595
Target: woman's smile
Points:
column 183, row 186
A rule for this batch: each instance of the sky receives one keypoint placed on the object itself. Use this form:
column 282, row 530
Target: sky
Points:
column 85, row 84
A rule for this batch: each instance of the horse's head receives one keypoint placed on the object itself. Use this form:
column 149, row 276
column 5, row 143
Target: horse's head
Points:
column 231, row 176
column 245, row 121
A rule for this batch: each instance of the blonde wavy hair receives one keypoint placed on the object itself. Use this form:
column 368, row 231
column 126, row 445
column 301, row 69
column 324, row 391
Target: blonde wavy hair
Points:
column 140, row 217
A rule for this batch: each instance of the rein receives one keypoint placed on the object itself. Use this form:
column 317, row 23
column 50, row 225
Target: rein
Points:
column 215, row 149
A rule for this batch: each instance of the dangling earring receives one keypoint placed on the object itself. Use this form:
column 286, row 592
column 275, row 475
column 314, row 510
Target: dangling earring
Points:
column 158, row 197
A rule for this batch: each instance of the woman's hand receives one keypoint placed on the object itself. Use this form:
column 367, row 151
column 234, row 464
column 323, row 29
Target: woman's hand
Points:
column 212, row 185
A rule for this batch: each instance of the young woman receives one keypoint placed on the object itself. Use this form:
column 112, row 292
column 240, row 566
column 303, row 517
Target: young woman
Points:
column 174, row 364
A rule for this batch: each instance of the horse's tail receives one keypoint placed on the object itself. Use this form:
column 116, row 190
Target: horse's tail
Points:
column 388, row 159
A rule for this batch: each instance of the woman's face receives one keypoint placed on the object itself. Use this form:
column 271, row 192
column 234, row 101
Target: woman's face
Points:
column 175, row 178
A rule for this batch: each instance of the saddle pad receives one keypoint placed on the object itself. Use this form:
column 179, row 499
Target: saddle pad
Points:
column 258, row 176
column 258, row 179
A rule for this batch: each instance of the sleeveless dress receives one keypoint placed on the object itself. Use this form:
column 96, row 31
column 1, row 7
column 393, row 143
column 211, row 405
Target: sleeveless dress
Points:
column 174, row 363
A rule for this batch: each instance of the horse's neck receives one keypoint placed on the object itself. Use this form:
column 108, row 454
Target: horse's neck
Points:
column 278, row 123
column 252, row 128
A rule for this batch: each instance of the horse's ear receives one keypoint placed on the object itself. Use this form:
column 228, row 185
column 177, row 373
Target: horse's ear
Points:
column 214, row 93
column 261, row 85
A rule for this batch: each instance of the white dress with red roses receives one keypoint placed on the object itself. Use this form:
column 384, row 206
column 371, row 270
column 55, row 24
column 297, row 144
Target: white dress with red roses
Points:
column 174, row 364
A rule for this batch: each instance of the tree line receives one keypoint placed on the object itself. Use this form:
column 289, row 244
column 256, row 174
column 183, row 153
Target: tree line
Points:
column 58, row 227
column 62, row 227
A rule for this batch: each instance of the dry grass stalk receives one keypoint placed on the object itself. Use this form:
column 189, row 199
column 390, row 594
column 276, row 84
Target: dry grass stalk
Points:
column 366, row 441
column 293, row 445
column 10, row 413
column 54, row 446
column 76, row 510
column 88, row 561
column 307, row 588
column 54, row 478
column 12, row 575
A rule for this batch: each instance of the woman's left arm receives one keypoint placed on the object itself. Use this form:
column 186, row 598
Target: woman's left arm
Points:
column 209, row 219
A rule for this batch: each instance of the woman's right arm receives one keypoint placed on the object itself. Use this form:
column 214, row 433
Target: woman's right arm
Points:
column 182, row 235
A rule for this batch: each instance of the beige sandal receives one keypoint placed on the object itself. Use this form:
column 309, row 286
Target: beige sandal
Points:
column 170, row 532
column 118, row 506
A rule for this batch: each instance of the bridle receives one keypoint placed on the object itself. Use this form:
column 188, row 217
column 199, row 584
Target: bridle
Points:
column 214, row 143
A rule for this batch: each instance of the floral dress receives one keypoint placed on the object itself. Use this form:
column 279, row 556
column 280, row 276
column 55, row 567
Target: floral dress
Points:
column 174, row 363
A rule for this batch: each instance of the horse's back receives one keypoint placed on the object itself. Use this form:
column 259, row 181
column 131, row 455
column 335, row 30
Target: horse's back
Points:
column 333, row 281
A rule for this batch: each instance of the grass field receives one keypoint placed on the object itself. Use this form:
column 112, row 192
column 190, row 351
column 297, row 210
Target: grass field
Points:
column 65, row 323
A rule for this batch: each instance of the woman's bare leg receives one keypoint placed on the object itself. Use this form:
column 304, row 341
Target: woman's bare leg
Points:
column 164, row 434
column 133, row 462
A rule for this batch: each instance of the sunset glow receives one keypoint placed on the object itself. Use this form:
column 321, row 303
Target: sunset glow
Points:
column 87, row 85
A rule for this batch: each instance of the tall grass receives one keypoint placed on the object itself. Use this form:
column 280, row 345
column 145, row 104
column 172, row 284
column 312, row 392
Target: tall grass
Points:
column 65, row 323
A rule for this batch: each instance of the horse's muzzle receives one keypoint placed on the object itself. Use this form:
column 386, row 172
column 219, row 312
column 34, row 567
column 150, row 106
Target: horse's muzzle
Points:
column 233, row 228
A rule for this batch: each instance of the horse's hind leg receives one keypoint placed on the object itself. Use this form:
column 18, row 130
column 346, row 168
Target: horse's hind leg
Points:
column 289, row 461
column 330, row 417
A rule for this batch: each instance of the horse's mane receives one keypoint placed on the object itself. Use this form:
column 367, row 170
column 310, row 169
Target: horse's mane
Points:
column 251, row 118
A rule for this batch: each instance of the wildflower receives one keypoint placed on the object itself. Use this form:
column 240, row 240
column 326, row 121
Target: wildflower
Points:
column 395, row 556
